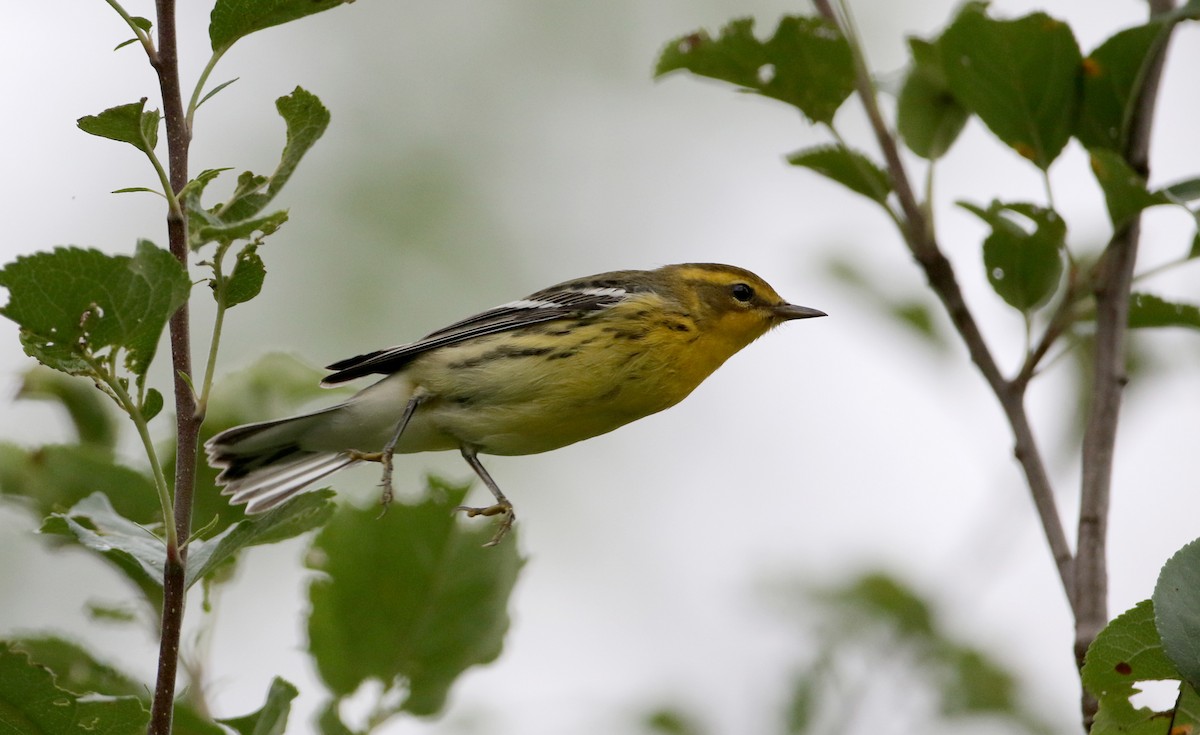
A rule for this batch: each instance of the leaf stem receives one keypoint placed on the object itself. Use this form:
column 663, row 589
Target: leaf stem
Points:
column 219, row 286
column 194, row 101
column 121, row 396
column 142, row 36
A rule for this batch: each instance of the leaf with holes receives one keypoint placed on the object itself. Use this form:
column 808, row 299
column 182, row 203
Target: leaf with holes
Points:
column 73, row 304
column 1126, row 652
column 1148, row 311
column 1177, row 611
column 806, row 63
column 1023, row 254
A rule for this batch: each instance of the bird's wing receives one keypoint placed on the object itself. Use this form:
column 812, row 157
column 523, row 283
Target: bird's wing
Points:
column 544, row 306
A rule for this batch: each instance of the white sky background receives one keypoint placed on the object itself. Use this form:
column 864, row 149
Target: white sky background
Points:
column 479, row 152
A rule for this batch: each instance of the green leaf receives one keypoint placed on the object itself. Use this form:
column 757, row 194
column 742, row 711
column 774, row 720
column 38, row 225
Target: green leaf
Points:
column 1112, row 74
column 75, row 669
column 214, row 91
column 1024, row 266
column 31, row 702
column 91, row 414
column 134, row 550
column 235, row 19
column 152, row 405
column 1124, row 190
column 1126, row 652
column 1177, row 611
column 1019, row 76
column 807, row 62
column 247, row 278
column 1183, row 192
column 928, row 116
column 73, row 302
column 849, row 168
column 129, row 123
column 1147, row 311
column 410, row 598
column 299, row 515
column 306, row 119
column 272, row 718
column 329, row 722
column 55, row 477
column 229, row 230
column 110, row 716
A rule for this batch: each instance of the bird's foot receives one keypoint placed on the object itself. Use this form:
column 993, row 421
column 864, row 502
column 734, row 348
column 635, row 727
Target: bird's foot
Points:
column 503, row 508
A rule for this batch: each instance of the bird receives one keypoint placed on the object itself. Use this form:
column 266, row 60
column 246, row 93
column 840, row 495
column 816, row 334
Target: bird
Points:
column 567, row 363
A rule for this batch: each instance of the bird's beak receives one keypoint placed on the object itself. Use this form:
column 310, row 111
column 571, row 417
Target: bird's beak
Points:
column 786, row 312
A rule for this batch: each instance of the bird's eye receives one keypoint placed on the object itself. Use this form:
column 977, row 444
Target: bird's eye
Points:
column 742, row 292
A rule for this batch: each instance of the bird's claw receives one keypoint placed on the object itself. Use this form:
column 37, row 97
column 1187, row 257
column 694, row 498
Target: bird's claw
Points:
column 499, row 509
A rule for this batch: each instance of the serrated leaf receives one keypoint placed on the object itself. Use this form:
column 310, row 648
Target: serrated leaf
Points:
column 228, row 231
column 272, row 718
column 73, row 302
column 1177, row 611
column 1149, row 311
column 31, row 702
column 234, row 19
column 928, row 116
column 133, row 549
column 129, row 123
column 806, row 63
column 247, row 278
column 849, row 168
column 76, row 669
column 437, row 598
column 299, row 515
column 152, row 405
column 1125, row 191
column 306, row 119
column 1111, row 76
column 1024, row 266
column 1019, row 76
column 1126, row 652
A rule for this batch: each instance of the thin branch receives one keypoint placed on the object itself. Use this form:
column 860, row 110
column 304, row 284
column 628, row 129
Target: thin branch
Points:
column 187, row 426
column 1112, row 285
column 918, row 234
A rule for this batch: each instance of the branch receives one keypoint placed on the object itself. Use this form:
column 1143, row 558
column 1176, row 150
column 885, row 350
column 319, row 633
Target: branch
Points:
column 166, row 64
column 918, row 235
column 1112, row 282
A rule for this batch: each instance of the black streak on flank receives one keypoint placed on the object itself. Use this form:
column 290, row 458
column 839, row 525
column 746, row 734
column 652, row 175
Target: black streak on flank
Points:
column 501, row 353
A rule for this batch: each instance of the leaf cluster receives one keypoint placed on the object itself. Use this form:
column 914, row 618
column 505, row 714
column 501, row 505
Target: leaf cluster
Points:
column 1025, row 79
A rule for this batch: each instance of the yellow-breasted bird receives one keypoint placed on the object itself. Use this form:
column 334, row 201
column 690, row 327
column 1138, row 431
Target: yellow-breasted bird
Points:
column 567, row 363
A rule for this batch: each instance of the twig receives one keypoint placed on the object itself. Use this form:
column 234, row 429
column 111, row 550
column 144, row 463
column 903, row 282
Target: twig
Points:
column 166, row 64
column 918, row 235
column 1112, row 283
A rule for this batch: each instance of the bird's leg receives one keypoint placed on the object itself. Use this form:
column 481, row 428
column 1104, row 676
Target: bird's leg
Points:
column 389, row 450
column 502, row 507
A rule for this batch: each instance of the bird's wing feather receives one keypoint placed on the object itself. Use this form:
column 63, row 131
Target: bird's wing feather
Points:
column 544, row 306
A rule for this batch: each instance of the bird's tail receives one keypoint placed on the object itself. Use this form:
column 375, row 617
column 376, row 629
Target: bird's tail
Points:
column 264, row 464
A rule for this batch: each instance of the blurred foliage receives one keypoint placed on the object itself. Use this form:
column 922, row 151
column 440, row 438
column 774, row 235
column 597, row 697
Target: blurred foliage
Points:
column 438, row 600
